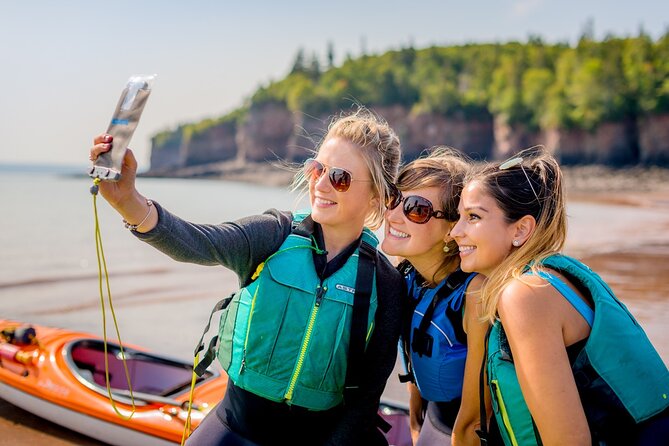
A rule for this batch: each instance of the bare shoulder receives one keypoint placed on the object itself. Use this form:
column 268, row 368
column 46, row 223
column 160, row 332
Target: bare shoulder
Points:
column 526, row 301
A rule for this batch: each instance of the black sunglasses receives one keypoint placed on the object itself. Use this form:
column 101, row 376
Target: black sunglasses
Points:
column 416, row 208
column 339, row 178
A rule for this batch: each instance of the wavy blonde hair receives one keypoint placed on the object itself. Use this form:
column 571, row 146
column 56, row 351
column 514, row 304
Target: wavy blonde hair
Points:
column 532, row 187
column 444, row 168
column 380, row 148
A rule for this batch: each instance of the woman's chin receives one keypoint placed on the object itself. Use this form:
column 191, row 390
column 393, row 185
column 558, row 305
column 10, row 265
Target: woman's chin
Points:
column 389, row 249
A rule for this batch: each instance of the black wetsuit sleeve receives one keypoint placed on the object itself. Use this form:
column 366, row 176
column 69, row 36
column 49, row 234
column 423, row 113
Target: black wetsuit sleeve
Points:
column 240, row 245
column 358, row 420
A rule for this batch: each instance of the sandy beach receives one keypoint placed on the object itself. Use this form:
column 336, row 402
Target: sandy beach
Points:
column 633, row 258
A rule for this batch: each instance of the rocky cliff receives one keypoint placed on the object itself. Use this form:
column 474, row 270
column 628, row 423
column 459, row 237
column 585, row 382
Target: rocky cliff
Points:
column 271, row 132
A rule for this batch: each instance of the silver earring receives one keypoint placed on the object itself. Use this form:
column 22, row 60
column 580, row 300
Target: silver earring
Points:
column 516, row 243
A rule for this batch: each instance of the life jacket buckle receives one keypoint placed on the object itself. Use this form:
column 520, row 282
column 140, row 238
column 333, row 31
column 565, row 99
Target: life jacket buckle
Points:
column 421, row 343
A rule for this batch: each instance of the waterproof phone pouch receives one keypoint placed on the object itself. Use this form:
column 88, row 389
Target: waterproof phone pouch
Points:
column 122, row 126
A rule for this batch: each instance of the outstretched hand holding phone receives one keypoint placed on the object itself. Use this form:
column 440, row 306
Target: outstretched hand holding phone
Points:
column 122, row 195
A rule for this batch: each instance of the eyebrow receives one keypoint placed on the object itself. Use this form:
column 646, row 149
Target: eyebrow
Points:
column 470, row 208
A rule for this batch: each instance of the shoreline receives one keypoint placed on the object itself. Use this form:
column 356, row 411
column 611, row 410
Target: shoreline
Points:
column 636, row 186
column 584, row 182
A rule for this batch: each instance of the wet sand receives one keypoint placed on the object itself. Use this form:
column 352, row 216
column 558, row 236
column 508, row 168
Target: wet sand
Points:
column 637, row 273
column 18, row 427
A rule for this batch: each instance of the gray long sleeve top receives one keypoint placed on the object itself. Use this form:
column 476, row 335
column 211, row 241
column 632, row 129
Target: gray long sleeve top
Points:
column 241, row 246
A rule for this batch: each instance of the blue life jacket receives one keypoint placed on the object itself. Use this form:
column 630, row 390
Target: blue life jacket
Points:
column 437, row 346
column 621, row 379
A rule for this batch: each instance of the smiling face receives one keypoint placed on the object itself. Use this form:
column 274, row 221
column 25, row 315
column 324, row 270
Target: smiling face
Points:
column 418, row 243
column 345, row 211
column 483, row 233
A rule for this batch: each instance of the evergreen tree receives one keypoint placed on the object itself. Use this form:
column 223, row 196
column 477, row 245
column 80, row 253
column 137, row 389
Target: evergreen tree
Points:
column 330, row 54
column 298, row 65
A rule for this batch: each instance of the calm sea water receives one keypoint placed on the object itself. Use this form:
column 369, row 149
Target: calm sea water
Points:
column 48, row 221
column 48, row 267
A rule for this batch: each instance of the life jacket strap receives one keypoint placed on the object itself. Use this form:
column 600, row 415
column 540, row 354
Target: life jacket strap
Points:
column 363, row 292
column 304, row 227
column 483, row 431
column 421, row 341
column 405, row 268
column 453, row 281
column 406, row 377
column 382, row 424
column 210, row 353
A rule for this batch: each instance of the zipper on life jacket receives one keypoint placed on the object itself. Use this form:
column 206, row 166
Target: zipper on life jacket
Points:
column 248, row 329
column 502, row 408
column 305, row 344
column 369, row 331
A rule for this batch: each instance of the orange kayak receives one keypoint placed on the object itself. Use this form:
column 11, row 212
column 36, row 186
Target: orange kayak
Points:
column 59, row 375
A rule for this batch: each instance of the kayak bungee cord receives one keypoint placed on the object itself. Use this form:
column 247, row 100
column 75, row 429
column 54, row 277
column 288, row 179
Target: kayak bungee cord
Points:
column 102, row 264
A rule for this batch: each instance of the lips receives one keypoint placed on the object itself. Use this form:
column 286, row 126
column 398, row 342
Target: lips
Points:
column 395, row 233
column 322, row 202
column 466, row 249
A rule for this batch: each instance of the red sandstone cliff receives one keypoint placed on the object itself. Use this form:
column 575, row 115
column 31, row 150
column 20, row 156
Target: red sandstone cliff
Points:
column 271, row 131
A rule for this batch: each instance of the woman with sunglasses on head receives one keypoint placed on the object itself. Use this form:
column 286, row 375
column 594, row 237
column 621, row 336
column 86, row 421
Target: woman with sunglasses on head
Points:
column 319, row 309
column 567, row 364
column 443, row 335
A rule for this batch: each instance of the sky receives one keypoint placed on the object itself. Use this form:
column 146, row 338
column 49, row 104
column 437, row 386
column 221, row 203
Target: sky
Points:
column 64, row 63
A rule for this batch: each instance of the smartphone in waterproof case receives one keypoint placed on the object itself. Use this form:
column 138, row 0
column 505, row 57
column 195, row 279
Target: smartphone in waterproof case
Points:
column 122, row 126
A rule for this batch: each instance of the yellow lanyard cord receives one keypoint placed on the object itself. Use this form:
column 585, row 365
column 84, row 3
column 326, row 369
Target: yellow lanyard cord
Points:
column 102, row 263
column 187, row 427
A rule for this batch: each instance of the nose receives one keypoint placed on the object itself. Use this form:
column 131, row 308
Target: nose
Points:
column 457, row 230
column 394, row 214
column 323, row 182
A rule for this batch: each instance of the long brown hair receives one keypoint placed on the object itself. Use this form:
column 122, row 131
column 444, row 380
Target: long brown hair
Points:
column 446, row 169
column 529, row 186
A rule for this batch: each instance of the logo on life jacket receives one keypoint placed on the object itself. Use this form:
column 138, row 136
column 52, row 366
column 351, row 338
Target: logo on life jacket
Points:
column 348, row 289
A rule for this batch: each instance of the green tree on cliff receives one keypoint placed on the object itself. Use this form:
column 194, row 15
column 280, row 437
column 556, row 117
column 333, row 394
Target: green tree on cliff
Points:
column 661, row 74
column 540, row 85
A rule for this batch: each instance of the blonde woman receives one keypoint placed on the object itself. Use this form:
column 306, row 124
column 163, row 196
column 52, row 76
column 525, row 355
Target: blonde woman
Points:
column 311, row 283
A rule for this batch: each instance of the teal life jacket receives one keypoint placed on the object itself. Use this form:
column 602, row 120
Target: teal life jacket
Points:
column 621, row 379
column 435, row 344
column 287, row 335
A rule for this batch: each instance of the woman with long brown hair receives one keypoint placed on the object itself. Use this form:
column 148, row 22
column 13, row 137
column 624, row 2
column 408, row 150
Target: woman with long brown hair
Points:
column 567, row 364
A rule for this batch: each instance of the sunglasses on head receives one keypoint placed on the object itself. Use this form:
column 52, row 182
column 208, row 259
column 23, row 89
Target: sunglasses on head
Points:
column 416, row 208
column 339, row 178
column 515, row 162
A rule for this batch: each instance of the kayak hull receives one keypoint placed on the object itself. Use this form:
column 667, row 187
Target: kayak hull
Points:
column 61, row 377
column 110, row 433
